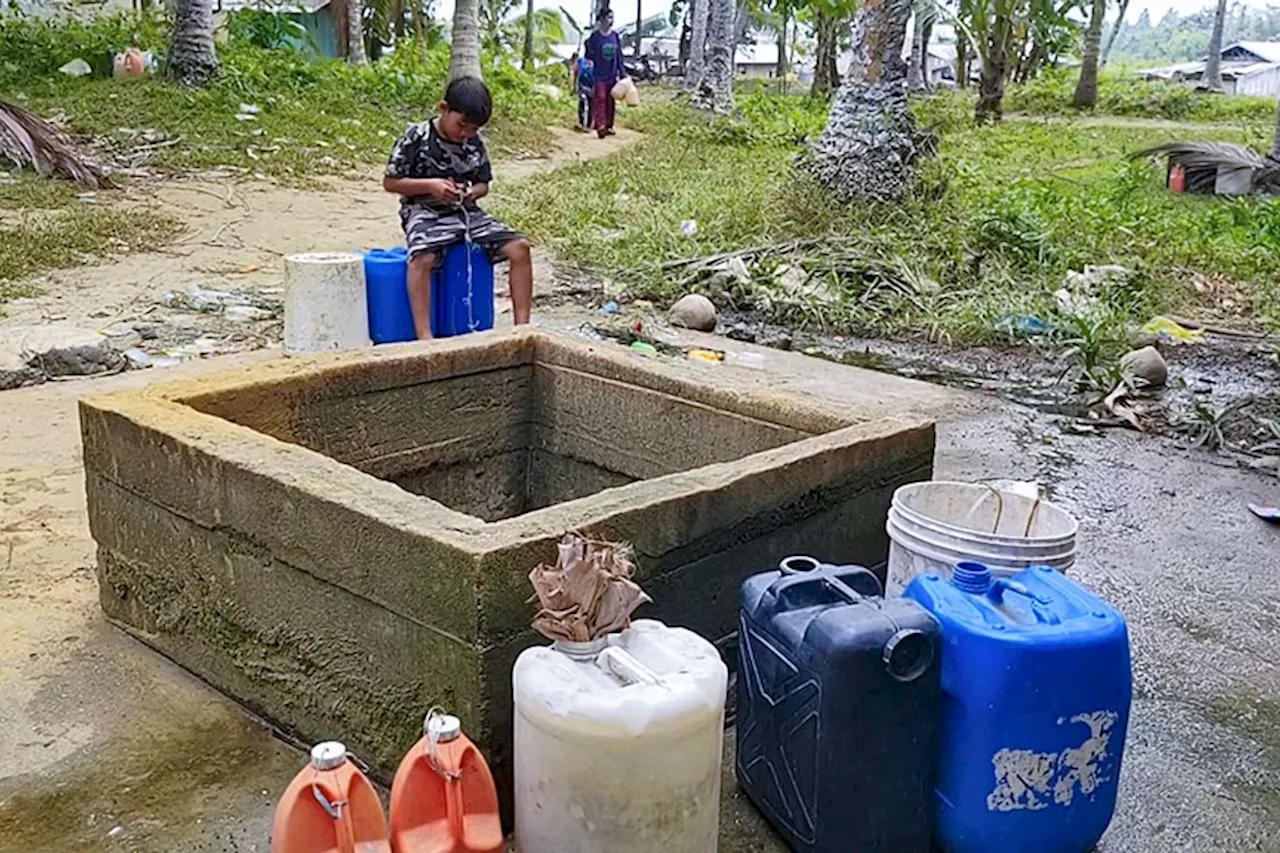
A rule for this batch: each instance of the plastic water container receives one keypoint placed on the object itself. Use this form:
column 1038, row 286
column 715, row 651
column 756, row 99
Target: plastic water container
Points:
column 325, row 304
column 839, row 701
column 618, row 744
column 386, row 285
column 459, row 307
column 443, row 799
column 932, row 526
column 329, row 807
column 1037, row 681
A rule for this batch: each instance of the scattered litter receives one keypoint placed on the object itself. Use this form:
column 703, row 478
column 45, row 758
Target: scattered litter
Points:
column 138, row 358
column 753, row 360
column 609, row 308
column 644, row 348
column 713, row 356
column 1022, row 324
column 252, row 109
column 76, row 68
column 689, row 227
column 245, row 313
column 1266, row 513
column 166, row 361
column 88, row 198
column 1075, row 304
column 1172, row 332
column 114, row 831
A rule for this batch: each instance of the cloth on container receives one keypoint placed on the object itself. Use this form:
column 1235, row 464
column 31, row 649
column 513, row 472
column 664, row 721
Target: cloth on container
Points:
column 588, row 593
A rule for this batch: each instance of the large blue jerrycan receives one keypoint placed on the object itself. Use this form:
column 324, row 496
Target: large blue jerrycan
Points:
column 385, row 282
column 1037, row 680
column 838, row 705
column 462, row 292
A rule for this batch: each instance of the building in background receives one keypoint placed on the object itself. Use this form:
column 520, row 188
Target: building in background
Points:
column 1248, row 68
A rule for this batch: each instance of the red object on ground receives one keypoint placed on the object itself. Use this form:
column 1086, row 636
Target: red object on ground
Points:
column 330, row 807
column 443, row 799
column 1177, row 178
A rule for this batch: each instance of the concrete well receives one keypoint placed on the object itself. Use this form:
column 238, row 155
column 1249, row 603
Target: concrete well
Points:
column 341, row 541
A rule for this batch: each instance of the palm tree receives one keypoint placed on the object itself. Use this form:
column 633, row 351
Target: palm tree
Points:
column 464, row 55
column 355, row 33
column 871, row 142
column 1115, row 31
column 1213, row 67
column 696, row 66
column 1087, row 88
column 529, row 22
column 1275, row 143
column 989, row 29
column 826, row 76
column 919, row 60
column 715, row 90
column 192, row 57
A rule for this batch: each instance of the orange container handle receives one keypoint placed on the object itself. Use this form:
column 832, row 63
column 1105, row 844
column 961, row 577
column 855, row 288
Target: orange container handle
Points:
column 346, row 831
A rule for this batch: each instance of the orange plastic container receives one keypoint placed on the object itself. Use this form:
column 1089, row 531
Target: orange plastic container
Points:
column 443, row 799
column 1177, row 178
column 330, row 807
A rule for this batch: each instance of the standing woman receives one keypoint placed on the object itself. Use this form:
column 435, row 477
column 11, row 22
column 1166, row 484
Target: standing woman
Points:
column 604, row 52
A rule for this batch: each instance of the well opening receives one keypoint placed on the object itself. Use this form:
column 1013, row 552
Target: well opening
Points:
column 498, row 443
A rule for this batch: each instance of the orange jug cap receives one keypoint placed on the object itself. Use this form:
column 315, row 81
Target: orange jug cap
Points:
column 442, row 728
column 328, row 755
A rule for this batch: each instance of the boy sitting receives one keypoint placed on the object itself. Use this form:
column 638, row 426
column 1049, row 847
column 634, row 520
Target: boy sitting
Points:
column 439, row 168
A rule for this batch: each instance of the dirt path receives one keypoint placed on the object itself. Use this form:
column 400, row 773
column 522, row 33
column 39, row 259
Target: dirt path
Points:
column 1171, row 125
column 237, row 234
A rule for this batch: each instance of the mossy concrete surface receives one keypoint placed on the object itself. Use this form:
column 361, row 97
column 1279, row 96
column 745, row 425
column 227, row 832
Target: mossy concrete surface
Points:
column 285, row 532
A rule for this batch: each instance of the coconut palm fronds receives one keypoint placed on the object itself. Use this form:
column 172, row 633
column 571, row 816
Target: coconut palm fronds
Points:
column 1220, row 155
column 28, row 140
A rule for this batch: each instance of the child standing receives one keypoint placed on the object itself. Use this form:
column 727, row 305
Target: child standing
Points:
column 440, row 168
column 585, row 90
column 604, row 51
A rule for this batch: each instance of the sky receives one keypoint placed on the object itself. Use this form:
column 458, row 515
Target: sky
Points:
column 625, row 10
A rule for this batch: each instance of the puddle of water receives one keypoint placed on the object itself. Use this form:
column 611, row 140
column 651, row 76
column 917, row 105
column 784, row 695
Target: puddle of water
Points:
column 151, row 789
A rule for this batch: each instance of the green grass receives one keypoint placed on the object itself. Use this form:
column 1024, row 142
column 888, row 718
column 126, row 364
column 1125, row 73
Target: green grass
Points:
column 1003, row 213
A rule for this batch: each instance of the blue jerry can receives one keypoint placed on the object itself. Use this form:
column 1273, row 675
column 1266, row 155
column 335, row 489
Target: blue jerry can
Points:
column 1036, row 674
column 462, row 292
column 385, row 277
column 837, row 709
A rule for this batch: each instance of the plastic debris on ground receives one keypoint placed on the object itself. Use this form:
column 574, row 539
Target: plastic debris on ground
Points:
column 689, row 227
column 1171, row 332
column 76, row 68
column 588, row 593
column 709, row 355
column 644, row 348
column 1266, row 513
column 609, row 308
column 1024, row 325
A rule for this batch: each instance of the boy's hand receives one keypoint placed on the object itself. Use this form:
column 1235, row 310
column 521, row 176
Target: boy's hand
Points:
column 443, row 189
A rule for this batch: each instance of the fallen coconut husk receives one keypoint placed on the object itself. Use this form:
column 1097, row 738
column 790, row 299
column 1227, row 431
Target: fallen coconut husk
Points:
column 26, row 140
column 588, row 593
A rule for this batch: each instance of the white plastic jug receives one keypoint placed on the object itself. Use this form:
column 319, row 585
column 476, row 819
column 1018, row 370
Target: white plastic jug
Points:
column 618, row 744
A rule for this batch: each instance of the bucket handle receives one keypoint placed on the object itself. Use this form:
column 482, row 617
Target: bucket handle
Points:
column 1043, row 615
column 801, row 565
column 624, row 666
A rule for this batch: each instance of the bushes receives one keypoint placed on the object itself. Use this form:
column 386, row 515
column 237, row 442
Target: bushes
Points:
column 32, row 48
column 1129, row 95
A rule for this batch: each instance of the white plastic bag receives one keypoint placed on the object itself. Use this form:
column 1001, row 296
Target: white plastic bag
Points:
column 625, row 91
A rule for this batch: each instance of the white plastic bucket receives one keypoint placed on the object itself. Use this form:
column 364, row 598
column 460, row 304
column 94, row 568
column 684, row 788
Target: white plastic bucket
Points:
column 325, row 304
column 932, row 526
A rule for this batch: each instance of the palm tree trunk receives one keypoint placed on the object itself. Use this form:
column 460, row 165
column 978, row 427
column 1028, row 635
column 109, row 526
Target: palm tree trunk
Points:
column 915, row 77
column 826, row 74
column 1115, row 31
column 464, row 55
column 192, row 57
column 639, row 20
column 871, row 142
column 528, row 36
column 1213, row 67
column 397, row 20
column 697, row 66
column 991, row 81
column 780, row 71
column 1086, row 97
column 715, row 90
column 1275, row 144
column 355, row 33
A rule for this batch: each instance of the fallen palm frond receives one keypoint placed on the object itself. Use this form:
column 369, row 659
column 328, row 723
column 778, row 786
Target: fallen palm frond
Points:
column 26, row 140
column 1219, row 155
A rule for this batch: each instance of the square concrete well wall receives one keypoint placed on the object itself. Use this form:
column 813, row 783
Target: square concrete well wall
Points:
column 341, row 541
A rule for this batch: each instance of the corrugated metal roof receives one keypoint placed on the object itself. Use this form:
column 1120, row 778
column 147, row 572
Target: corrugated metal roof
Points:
column 1268, row 51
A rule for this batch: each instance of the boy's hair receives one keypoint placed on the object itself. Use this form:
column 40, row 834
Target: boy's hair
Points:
column 470, row 96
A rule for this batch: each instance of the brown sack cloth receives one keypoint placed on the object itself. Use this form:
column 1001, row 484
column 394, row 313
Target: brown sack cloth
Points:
column 588, row 593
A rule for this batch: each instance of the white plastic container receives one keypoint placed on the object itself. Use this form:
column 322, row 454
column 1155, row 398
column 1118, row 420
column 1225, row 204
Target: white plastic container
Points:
column 932, row 526
column 618, row 744
column 325, row 306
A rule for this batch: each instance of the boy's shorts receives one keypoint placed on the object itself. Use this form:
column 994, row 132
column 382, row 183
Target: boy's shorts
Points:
column 430, row 229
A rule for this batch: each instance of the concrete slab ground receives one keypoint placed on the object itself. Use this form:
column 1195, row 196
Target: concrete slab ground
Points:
column 101, row 733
